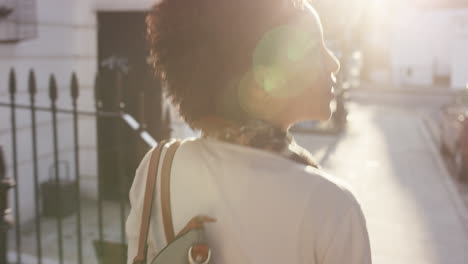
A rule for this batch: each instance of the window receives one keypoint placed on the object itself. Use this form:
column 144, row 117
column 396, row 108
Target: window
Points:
column 18, row 20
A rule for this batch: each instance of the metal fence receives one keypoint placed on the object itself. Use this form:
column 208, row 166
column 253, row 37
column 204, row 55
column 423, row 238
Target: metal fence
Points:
column 131, row 139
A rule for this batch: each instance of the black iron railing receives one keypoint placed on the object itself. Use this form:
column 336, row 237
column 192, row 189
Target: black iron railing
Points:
column 127, row 126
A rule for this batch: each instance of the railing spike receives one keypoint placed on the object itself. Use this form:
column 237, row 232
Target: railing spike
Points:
column 97, row 88
column 32, row 83
column 74, row 86
column 119, row 103
column 12, row 81
column 2, row 164
column 52, row 88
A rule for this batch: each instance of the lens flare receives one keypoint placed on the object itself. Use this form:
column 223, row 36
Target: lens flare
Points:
column 285, row 57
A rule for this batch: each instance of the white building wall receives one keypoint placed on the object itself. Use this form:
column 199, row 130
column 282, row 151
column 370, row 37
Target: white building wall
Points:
column 459, row 55
column 58, row 49
column 66, row 43
column 459, row 61
column 424, row 42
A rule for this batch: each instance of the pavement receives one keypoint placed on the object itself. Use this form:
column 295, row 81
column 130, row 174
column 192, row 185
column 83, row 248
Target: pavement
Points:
column 381, row 88
column 414, row 212
column 432, row 124
column 49, row 237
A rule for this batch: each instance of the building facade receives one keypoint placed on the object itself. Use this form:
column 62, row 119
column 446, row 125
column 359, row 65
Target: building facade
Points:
column 421, row 43
column 428, row 48
column 68, row 37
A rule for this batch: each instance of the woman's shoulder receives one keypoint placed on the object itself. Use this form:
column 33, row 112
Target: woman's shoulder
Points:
column 268, row 162
column 320, row 184
column 331, row 187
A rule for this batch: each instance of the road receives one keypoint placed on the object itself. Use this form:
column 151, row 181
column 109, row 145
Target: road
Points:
column 414, row 213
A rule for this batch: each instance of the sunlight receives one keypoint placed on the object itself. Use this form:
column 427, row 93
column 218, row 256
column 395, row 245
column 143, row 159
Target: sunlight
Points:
column 379, row 8
column 273, row 73
column 380, row 2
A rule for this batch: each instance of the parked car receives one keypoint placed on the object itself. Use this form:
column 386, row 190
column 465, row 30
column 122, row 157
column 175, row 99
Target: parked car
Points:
column 454, row 134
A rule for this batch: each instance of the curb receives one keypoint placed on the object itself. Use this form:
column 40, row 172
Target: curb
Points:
column 450, row 185
column 430, row 128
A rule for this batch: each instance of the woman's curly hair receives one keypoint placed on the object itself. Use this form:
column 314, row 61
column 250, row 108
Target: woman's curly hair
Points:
column 201, row 48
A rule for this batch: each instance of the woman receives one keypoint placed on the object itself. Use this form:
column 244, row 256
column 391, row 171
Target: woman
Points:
column 243, row 72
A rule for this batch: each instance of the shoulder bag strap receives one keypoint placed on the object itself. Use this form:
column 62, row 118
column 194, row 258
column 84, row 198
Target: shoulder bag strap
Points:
column 147, row 203
column 165, row 192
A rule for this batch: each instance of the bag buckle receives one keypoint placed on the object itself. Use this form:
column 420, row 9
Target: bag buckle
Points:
column 202, row 254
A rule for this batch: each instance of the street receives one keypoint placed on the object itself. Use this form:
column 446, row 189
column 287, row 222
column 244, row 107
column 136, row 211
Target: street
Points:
column 413, row 209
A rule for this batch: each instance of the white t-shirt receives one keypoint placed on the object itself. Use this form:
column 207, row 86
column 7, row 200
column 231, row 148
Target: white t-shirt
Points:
column 269, row 209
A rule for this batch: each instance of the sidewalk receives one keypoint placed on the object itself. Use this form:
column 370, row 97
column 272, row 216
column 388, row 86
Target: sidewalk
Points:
column 413, row 213
column 404, row 89
column 431, row 123
column 49, row 238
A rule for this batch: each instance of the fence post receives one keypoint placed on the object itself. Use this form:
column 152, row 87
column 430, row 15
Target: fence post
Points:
column 74, row 90
column 6, row 219
column 32, row 98
column 12, row 91
column 99, row 108
column 120, row 136
column 53, row 94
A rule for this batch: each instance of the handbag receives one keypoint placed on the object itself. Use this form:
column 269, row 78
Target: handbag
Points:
column 190, row 245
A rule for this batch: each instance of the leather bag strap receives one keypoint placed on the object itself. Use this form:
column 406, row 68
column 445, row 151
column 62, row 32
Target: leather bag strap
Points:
column 165, row 192
column 147, row 203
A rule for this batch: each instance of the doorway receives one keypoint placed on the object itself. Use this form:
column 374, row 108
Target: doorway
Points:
column 122, row 48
